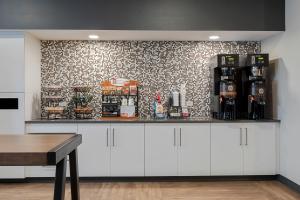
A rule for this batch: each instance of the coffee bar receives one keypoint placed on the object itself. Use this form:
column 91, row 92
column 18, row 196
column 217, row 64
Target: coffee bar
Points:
column 238, row 85
column 138, row 105
column 137, row 100
column 142, row 108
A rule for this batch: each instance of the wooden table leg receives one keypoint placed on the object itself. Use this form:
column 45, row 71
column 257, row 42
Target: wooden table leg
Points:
column 74, row 175
column 60, row 180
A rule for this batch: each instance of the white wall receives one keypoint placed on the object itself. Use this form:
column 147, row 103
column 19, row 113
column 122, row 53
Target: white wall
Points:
column 11, row 62
column 32, row 77
column 284, row 50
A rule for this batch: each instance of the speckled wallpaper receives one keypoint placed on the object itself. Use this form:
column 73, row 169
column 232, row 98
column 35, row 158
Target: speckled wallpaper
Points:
column 158, row 65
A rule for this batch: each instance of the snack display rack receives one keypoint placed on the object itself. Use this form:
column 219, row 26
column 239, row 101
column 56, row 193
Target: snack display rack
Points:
column 81, row 99
column 115, row 94
column 53, row 99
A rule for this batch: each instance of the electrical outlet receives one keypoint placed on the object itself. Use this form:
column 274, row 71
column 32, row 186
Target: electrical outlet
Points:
column 63, row 104
column 189, row 103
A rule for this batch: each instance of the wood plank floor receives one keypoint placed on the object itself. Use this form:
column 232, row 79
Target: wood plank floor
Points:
column 237, row 190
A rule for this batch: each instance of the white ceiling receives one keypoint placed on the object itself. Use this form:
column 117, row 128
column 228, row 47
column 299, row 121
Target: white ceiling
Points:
column 152, row 35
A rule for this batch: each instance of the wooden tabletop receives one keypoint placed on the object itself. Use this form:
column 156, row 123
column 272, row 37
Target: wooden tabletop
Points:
column 36, row 149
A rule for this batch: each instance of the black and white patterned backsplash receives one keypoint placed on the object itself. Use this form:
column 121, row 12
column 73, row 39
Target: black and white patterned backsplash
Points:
column 158, row 65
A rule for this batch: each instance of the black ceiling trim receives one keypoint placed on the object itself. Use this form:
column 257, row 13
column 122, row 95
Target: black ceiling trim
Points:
column 195, row 15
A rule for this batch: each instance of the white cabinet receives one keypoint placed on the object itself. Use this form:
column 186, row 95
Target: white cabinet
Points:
column 12, row 65
column 12, row 85
column 226, row 149
column 243, row 149
column 194, row 150
column 173, row 149
column 94, row 152
column 160, row 150
column 166, row 149
column 12, row 122
column 259, row 149
column 127, row 149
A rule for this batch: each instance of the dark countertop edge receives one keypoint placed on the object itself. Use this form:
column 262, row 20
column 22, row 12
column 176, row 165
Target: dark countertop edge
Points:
column 246, row 121
column 39, row 121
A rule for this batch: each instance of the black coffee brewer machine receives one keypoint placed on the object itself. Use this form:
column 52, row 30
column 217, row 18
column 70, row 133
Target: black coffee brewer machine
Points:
column 253, row 82
column 224, row 90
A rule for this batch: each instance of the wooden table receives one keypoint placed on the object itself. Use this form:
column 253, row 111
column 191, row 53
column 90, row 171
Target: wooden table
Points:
column 41, row 150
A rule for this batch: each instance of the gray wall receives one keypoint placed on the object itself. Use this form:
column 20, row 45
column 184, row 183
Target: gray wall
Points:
column 254, row 15
column 285, row 55
column 157, row 65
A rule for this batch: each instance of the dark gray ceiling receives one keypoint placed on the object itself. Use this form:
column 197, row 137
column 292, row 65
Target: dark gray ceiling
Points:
column 250, row 15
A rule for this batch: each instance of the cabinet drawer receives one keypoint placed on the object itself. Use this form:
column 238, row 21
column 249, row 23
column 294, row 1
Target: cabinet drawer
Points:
column 8, row 172
column 43, row 171
column 51, row 128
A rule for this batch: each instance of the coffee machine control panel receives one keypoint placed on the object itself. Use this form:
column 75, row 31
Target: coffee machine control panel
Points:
column 258, row 60
column 228, row 60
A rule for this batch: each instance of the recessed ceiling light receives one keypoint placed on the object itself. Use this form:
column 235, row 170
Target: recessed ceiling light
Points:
column 93, row 37
column 214, row 37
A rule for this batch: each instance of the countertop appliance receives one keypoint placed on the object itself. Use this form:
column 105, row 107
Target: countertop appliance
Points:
column 224, row 87
column 175, row 109
column 253, row 80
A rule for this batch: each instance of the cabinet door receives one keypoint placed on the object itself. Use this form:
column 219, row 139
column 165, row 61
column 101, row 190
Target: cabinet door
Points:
column 12, row 65
column 226, row 149
column 194, row 150
column 94, row 152
column 160, row 150
column 260, row 149
column 127, row 149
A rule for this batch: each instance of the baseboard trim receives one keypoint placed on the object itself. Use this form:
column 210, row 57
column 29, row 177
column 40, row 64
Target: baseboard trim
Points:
column 288, row 183
column 280, row 178
column 148, row 179
column 13, row 180
column 178, row 178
